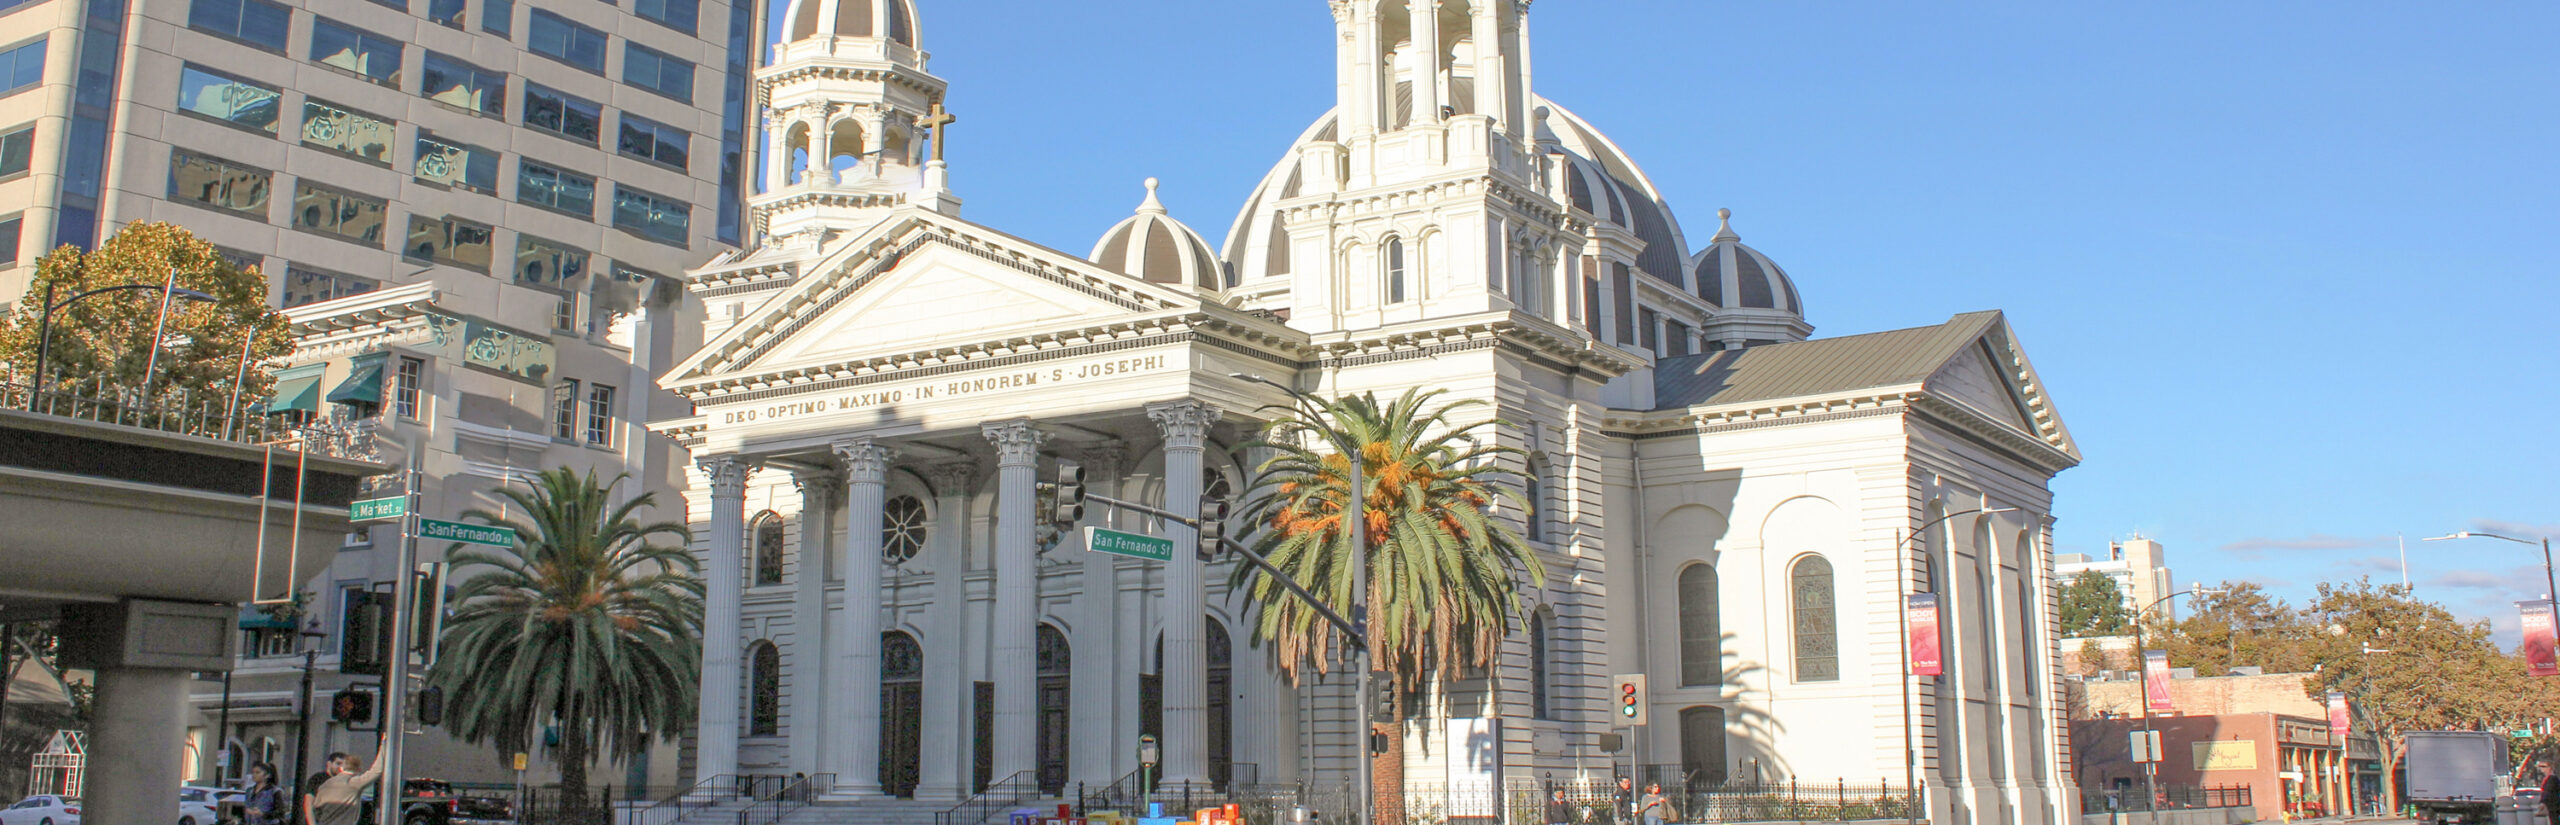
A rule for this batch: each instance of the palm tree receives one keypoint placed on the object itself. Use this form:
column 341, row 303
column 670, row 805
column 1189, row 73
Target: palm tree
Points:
column 1444, row 574
column 584, row 624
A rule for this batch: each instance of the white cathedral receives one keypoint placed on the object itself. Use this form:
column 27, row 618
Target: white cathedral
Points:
column 1723, row 504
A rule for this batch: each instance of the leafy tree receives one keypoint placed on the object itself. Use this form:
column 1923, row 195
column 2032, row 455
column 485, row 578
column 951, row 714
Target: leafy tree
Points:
column 2092, row 605
column 108, row 337
column 1443, row 573
column 2234, row 625
column 584, row 623
column 2408, row 665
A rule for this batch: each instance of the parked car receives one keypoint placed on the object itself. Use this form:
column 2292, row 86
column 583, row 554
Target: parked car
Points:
column 200, row 805
column 433, row 802
column 42, row 809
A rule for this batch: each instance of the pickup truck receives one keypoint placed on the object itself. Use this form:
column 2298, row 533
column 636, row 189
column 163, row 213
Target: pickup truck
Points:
column 433, row 802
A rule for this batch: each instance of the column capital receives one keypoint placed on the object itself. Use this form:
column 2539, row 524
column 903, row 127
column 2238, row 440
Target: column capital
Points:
column 728, row 474
column 1017, row 441
column 865, row 460
column 1104, row 459
column 1184, row 423
column 817, row 487
column 952, row 478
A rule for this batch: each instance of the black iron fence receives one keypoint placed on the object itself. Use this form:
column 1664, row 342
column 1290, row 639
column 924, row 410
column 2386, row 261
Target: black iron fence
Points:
column 2168, row 798
column 1541, row 803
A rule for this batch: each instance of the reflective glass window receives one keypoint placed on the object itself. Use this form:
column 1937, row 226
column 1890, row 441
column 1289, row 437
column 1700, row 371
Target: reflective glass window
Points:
column 228, row 99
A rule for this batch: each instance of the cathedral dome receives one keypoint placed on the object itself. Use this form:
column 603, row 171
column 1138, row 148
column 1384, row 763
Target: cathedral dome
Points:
column 1151, row 246
column 1735, row 277
column 1601, row 178
column 891, row 19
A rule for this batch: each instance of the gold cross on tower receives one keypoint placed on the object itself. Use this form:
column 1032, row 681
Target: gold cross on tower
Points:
column 939, row 122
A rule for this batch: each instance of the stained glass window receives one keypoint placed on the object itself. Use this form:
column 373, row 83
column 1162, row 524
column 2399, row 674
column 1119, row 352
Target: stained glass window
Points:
column 768, row 549
column 1817, row 622
column 764, row 714
column 902, row 529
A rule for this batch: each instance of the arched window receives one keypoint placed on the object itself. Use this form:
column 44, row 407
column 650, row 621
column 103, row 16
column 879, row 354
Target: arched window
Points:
column 1534, row 492
column 1395, row 270
column 1054, row 657
column 1817, row 621
column 1701, row 627
column 1541, row 665
column 902, row 529
column 768, row 548
column 764, row 677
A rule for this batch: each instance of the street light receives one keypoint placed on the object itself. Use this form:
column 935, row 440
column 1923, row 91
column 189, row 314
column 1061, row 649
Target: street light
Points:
column 2151, row 770
column 1911, row 749
column 2548, row 580
column 44, row 324
column 1359, row 518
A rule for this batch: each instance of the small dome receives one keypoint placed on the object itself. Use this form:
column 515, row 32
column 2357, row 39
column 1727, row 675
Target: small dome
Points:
column 893, row 19
column 1732, row 276
column 1151, row 246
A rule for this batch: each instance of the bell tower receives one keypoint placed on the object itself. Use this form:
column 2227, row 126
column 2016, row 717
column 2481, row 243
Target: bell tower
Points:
column 1432, row 194
column 853, row 122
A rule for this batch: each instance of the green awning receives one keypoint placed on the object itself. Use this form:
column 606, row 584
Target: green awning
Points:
column 363, row 385
column 297, row 388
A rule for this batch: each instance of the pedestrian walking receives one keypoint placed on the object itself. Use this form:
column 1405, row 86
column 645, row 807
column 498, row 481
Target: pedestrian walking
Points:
column 1622, row 805
column 1654, row 808
column 2550, row 790
column 339, row 799
column 265, row 803
column 1559, row 812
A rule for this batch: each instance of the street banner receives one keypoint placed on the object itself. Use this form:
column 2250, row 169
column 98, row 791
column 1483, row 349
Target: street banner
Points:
column 2155, row 681
column 2338, row 723
column 1921, row 613
column 2538, row 654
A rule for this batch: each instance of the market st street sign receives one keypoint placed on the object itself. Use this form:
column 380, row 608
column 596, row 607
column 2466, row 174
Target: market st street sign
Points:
column 380, row 509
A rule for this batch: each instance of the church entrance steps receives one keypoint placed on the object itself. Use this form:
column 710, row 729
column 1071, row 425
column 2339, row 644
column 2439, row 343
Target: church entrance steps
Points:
column 889, row 812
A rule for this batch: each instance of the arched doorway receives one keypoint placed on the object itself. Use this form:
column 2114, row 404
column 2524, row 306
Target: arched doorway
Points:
column 1220, row 687
column 901, row 713
column 1055, row 664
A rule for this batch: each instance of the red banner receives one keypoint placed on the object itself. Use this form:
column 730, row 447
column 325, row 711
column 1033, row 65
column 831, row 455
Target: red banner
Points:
column 2155, row 681
column 1921, row 612
column 2338, row 723
column 2538, row 653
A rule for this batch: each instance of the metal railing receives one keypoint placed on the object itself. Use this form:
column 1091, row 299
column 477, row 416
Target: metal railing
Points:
column 790, row 797
column 2169, row 798
column 185, row 412
column 1022, row 786
column 1529, row 802
column 727, row 787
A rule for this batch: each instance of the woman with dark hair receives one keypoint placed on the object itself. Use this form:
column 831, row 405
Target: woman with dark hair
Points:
column 266, row 801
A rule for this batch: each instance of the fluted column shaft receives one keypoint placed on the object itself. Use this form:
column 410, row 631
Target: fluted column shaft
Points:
column 866, row 476
column 1015, row 669
column 1490, row 94
column 1425, row 24
column 813, row 664
column 946, row 643
column 1185, row 425
column 1092, row 733
column 716, row 732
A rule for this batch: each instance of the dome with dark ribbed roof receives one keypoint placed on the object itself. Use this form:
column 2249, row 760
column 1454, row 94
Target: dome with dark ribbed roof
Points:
column 1733, row 276
column 891, row 19
column 1153, row 247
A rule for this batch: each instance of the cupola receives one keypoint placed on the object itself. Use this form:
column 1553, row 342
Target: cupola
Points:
column 1755, row 300
column 1153, row 247
column 893, row 20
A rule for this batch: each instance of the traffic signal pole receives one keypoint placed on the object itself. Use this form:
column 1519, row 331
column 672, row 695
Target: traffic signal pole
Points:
column 395, row 681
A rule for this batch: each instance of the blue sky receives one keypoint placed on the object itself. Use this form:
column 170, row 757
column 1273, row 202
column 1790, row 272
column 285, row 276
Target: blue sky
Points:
column 2287, row 267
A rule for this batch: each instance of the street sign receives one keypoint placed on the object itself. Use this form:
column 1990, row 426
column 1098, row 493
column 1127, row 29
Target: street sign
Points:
column 380, row 509
column 520, row 760
column 435, row 530
column 1118, row 543
column 2520, row 733
column 2146, row 746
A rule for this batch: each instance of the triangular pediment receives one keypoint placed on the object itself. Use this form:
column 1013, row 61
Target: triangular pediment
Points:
column 1988, row 375
column 914, row 282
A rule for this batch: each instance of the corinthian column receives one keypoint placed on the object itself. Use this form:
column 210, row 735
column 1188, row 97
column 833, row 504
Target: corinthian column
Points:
column 813, row 668
column 866, row 476
column 1185, row 425
column 716, row 732
column 1014, row 672
column 946, row 642
column 1092, row 734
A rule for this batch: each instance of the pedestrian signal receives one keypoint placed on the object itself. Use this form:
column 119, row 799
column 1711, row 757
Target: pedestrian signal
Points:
column 364, row 634
column 1631, row 701
column 351, row 706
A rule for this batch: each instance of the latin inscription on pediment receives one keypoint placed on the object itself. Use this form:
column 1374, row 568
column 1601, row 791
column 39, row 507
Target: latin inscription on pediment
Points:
column 999, row 381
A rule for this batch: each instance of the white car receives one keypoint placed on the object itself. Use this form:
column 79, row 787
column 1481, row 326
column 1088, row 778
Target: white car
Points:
column 42, row 809
column 199, row 805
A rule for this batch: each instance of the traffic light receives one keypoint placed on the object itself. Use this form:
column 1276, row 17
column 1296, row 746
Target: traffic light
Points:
column 1213, row 527
column 1067, row 508
column 1382, row 702
column 1631, row 701
column 364, row 634
column 430, row 705
column 352, row 706
column 426, row 612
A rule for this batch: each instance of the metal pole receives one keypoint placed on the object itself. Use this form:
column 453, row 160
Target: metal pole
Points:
column 44, row 345
column 302, row 738
column 231, row 417
column 151, row 365
column 1359, row 512
column 222, row 739
column 395, row 683
column 1910, row 749
column 2549, row 580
